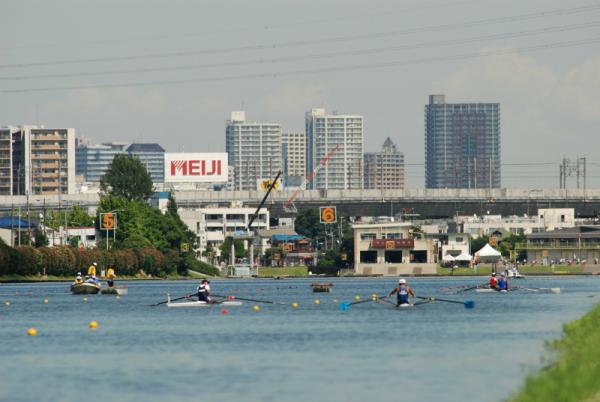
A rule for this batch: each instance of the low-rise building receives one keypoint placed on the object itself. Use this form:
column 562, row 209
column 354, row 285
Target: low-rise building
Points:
column 564, row 246
column 457, row 244
column 546, row 219
column 390, row 249
column 213, row 224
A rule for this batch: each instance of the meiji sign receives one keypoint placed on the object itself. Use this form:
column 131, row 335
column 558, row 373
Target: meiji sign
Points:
column 196, row 167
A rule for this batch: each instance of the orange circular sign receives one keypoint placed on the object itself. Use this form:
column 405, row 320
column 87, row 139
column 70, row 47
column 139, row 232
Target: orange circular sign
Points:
column 108, row 221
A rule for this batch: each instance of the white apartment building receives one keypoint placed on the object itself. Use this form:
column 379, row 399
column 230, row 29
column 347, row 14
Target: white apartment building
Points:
column 213, row 224
column 254, row 150
column 546, row 219
column 293, row 152
column 325, row 132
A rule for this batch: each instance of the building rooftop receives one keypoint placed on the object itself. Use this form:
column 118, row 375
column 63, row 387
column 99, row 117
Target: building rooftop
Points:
column 145, row 147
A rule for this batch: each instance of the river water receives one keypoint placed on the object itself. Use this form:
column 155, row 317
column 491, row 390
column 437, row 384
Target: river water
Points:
column 316, row 352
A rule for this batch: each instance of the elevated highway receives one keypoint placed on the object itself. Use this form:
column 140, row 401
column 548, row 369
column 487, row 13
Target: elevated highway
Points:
column 426, row 203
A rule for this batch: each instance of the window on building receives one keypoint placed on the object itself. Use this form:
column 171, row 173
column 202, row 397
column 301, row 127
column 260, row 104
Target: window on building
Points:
column 369, row 256
column 393, row 236
column 562, row 219
column 459, row 240
column 367, row 236
column 393, row 256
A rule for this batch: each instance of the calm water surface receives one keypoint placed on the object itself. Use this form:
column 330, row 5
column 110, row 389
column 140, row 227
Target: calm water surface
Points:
column 436, row 352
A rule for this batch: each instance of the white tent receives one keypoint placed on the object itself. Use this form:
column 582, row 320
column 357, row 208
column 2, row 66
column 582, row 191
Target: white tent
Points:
column 488, row 254
column 463, row 257
column 448, row 258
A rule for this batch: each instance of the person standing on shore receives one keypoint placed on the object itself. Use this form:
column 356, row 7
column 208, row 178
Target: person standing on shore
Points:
column 204, row 291
column 110, row 276
column 403, row 291
column 92, row 269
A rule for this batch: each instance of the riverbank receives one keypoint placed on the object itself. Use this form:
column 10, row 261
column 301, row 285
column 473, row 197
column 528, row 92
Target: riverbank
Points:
column 52, row 278
column 574, row 367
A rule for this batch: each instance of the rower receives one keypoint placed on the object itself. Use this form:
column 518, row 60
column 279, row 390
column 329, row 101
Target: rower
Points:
column 503, row 284
column 493, row 281
column 204, row 291
column 403, row 291
column 78, row 279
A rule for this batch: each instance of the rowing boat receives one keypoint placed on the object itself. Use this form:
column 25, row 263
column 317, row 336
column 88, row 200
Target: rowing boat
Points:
column 199, row 303
column 488, row 290
column 85, row 288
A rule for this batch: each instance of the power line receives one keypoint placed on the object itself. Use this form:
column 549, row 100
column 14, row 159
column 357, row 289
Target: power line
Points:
column 354, row 67
column 327, row 55
column 338, row 39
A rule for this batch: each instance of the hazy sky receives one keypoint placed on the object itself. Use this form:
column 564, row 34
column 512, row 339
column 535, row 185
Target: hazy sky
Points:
column 276, row 59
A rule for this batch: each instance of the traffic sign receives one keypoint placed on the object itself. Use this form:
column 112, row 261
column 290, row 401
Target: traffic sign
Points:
column 328, row 214
column 108, row 221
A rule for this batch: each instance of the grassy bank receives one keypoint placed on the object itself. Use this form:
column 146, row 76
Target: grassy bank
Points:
column 524, row 269
column 270, row 272
column 575, row 369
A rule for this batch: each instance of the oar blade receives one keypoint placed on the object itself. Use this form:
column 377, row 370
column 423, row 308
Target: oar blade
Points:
column 344, row 306
column 555, row 290
column 469, row 304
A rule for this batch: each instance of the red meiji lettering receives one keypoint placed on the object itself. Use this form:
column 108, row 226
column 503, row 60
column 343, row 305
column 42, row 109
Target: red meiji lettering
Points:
column 194, row 167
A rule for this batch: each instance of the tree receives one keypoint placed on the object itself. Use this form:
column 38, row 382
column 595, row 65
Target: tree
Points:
column 127, row 177
column 226, row 249
column 74, row 216
column 478, row 243
column 308, row 224
column 40, row 238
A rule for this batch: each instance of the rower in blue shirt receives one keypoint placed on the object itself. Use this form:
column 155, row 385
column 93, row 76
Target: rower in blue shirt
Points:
column 503, row 283
column 404, row 292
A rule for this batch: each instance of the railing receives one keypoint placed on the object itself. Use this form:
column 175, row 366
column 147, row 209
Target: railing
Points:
column 558, row 246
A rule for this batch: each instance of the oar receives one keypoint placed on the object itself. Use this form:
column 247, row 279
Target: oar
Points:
column 245, row 299
column 473, row 287
column 467, row 304
column 167, row 301
column 344, row 305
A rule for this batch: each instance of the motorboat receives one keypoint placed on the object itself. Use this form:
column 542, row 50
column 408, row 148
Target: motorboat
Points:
column 114, row 290
column 85, row 288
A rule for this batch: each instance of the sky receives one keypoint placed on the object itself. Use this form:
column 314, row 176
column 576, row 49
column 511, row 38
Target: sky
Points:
column 172, row 71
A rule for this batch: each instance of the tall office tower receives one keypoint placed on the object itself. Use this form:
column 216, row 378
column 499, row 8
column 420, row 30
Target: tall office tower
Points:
column 339, row 137
column 92, row 161
column 153, row 157
column 462, row 144
column 293, row 153
column 384, row 169
column 254, row 150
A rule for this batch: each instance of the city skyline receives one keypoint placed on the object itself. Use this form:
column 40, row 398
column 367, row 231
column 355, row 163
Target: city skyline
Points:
column 471, row 51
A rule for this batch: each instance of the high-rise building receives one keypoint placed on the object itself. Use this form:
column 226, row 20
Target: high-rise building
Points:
column 339, row 137
column 293, row 152
column 254, row 150
column 384, row 169
column 153, row 157
column 92, row 161
column 462, row 144
column 49, row 165
column 6, row 159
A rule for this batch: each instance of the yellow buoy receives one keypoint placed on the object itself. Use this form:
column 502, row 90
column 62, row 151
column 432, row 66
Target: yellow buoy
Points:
column 317, row 301
column 93, row 325
column 45, row 301
column 118, row 297
column 85, row 299
column 373, row 295
column 295, row 305
column 32, row 332
column 8, row 303
column 357, row 297
column 256, row 308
